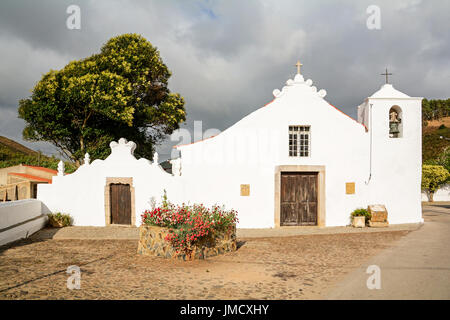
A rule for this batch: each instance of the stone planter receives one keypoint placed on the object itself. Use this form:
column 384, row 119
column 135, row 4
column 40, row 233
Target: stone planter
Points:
column 152, row 242
column 359, row 222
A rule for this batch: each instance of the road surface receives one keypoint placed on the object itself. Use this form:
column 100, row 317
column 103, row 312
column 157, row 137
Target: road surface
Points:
column 416, row 267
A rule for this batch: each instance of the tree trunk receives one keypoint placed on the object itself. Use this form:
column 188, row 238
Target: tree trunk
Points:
column 430, row 197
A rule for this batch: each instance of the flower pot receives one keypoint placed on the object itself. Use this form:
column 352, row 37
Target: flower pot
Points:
column 56, row 224
column 359, row 221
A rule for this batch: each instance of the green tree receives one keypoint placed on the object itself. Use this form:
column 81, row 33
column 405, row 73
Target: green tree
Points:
column 435, row 109
column 120, row 92
column 433, row 177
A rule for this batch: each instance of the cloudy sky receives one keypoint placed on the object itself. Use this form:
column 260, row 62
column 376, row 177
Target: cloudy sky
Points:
column 227, row 56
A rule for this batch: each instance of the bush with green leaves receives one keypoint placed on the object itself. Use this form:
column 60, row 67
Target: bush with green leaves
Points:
column 59, row 219
column 433, row 177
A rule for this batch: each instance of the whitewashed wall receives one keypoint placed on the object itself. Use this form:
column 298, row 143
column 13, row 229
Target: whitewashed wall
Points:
column 20, row 219
column 82, row 193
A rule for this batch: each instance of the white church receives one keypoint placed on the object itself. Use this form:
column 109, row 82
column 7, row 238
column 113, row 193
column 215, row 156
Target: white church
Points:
column 298, row 161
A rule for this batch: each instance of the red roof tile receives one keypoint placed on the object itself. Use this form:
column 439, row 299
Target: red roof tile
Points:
column 30, row 177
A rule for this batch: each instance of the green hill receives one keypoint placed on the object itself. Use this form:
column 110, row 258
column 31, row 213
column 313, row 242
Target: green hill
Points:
column 436, row 150
column 15, row 147
column 13, row 153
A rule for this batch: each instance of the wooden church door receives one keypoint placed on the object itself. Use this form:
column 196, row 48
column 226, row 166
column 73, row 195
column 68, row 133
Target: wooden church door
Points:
column 298, row 199
column 120, row 204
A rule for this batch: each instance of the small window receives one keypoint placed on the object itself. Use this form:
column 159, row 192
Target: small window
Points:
column 395, row 122
column 299, row 141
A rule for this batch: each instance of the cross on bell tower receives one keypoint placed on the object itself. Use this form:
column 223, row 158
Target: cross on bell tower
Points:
column 298, row 65
column 387, row 75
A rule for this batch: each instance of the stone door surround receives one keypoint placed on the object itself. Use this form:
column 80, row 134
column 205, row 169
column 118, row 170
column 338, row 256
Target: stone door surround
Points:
column 320, row 192
column 109, row 181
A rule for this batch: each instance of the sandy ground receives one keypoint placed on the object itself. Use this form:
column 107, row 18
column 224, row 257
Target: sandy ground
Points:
column 295, row 267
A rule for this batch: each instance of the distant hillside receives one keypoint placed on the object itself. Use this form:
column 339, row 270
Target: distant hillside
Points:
column 16, row 147
column 13, row 153
column 436, row 150
column 435, row 109
column 437, row 123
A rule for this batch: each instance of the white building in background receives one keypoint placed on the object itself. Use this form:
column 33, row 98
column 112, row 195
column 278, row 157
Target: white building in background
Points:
column 296, row 161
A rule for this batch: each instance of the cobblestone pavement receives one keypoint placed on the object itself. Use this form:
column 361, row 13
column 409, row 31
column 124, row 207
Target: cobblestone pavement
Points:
column 297, row 267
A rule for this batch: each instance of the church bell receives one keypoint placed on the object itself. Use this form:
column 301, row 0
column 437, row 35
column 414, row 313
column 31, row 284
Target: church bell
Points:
column 393, row 128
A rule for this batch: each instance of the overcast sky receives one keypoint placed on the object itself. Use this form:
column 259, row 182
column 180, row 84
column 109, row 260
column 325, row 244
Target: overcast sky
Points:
column 227, row 56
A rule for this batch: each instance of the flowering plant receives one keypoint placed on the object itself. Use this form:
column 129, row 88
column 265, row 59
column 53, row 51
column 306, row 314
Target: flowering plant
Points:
column 190, row 225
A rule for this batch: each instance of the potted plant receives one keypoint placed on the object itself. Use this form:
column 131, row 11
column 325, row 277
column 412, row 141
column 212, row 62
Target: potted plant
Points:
column 59, row 220
column 360, row 217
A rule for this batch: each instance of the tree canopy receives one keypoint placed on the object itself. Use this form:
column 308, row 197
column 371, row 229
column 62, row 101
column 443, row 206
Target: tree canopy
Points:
column 435, row 109
column 120, row 92
column 433, row 176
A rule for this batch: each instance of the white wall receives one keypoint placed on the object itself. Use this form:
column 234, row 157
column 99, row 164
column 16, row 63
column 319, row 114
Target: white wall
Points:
column 20, row 219
column 82, row 193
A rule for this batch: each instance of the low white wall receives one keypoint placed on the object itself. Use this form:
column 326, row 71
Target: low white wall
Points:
column 443, row 194
column 19, row 219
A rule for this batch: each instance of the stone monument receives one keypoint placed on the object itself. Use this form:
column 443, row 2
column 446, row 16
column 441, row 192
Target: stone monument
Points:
column 379, row 216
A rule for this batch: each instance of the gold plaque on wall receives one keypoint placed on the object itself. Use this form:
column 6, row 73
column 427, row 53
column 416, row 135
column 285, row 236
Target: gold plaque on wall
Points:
column 350, row 188
column 245, row 190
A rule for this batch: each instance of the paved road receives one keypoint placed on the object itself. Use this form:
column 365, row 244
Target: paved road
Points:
column 416, row 267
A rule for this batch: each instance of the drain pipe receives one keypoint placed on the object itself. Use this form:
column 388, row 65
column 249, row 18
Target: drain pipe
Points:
column 370, row 150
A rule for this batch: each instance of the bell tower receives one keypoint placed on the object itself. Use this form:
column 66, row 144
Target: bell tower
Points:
column 394, row 122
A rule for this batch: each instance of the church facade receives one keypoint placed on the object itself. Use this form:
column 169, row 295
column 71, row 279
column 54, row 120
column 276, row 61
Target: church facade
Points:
column 298, row 161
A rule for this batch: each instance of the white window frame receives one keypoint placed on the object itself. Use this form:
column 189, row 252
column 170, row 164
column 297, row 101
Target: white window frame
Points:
column 295, row 147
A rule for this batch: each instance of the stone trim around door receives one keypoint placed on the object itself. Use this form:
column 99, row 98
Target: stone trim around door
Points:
column 110, row 181
column 320, row 192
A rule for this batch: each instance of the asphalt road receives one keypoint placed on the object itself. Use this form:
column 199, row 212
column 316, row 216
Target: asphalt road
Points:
column 416, row 267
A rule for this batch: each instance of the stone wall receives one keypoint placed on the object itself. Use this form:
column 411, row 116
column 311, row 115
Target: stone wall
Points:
column 152, row 242
column 20, row 219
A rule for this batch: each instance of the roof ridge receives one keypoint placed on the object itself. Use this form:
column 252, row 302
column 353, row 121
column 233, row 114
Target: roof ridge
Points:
column 30, row 176
column 40, row 168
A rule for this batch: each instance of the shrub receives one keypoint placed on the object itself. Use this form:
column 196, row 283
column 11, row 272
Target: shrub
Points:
column 190, row 225
column 59, row 220
column 433, row 176
column 361, row 212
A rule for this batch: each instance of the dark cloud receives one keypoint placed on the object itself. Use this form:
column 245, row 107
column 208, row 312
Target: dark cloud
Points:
column 228, row 56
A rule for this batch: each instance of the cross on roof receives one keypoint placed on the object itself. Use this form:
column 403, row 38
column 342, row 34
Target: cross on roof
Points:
column 298, row 65
column 387, row 75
